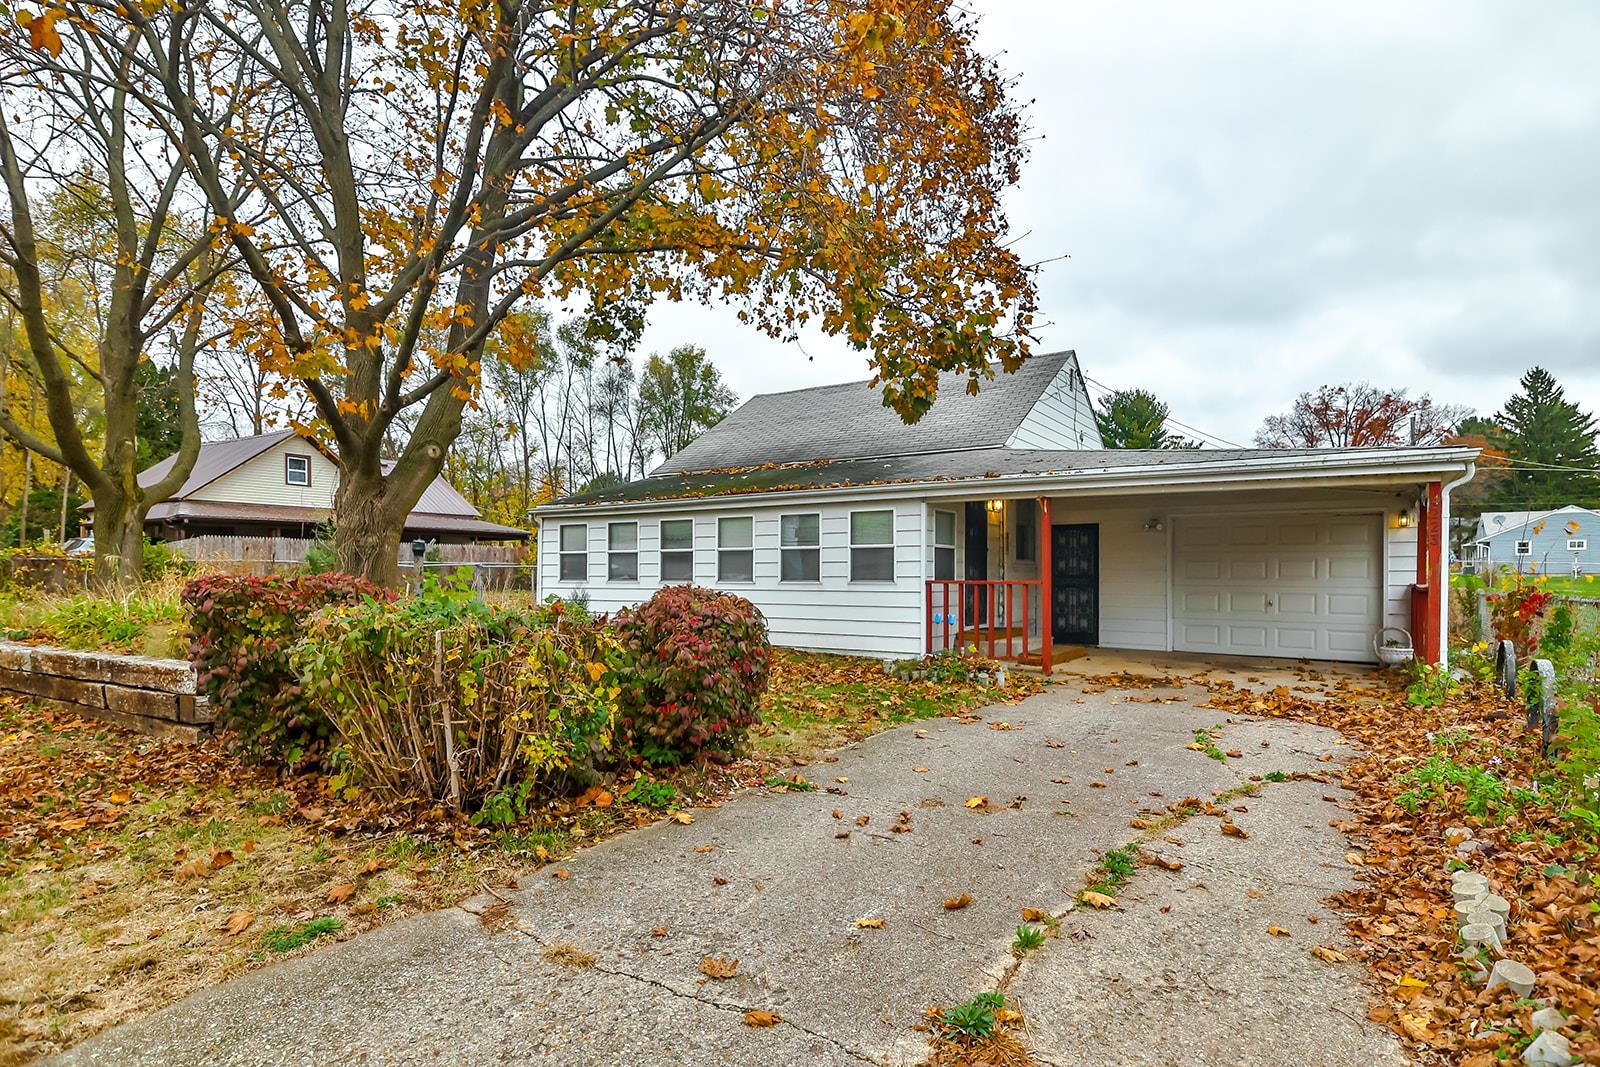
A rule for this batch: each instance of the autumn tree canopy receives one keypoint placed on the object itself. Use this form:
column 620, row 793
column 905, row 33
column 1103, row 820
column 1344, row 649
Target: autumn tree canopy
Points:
column 1360, row 415
column 398, row 177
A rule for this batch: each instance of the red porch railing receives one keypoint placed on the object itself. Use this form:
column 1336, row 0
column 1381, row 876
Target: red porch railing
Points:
column 1004, row 620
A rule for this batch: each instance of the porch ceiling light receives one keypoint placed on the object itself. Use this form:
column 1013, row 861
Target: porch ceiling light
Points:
column 996, row 505
column 1405, row 518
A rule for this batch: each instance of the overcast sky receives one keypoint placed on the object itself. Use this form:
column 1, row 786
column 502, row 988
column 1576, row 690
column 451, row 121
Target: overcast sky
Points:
column 1259, row 198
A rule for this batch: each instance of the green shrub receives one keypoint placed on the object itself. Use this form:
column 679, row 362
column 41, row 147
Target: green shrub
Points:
column 443, row 697
column 241, row 631
column 697, row 664
column 160, row 560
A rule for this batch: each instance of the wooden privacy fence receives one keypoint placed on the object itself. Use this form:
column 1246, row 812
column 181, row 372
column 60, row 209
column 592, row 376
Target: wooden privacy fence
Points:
column 493, row 567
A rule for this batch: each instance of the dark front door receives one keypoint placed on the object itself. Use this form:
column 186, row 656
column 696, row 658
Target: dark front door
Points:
column 974, row 599
column 1075, row 583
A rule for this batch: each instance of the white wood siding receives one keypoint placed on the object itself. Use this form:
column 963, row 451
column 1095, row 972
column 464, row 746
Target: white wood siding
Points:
column 832, row 614
column 261, row 480
column 1062, row 417
column 887, row 619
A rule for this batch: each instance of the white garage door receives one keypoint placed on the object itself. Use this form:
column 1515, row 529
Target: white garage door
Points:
column 1277, row 585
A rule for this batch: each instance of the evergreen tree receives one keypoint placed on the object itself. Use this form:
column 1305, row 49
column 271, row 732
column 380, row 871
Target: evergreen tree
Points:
column 1134, row 418
column 1541, row 428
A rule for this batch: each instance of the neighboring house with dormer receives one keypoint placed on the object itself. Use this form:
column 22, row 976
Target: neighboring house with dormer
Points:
column 1001, row 520
column 282, row 485
column 1560, row 541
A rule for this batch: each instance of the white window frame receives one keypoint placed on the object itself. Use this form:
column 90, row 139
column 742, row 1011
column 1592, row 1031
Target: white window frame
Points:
column 564, row 554
column 725, row 552
column 288, row 466
column 675, row 553
column 1577, row 544
column 800, row 549
column 945, row 546
column 615, row 555
column 1524, row 548
column 872, row 546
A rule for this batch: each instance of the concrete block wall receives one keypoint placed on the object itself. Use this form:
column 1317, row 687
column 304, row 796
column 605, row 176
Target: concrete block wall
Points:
column 153, row 696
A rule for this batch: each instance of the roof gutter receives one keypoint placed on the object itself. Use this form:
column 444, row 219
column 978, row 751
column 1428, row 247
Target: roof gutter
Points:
column 1266, row 473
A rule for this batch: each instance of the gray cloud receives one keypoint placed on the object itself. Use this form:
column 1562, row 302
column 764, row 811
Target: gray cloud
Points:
column 1259, row 198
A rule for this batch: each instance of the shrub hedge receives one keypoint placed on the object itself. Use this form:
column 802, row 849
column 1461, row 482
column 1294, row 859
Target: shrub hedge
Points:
column 241, row 631
column 697, row 664
column 443, row 697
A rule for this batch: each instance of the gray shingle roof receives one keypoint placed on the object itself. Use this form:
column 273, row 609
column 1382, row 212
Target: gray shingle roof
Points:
column 846, row 422
column 976, row 465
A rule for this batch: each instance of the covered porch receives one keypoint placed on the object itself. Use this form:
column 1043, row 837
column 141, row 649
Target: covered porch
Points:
column 1286, row 572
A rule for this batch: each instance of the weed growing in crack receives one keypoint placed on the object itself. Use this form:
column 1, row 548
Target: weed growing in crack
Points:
column 975, row 1018
column 1028, row 938
column 1205, row 742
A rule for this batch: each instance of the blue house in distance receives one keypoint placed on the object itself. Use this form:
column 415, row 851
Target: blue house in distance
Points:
column 1563, row 541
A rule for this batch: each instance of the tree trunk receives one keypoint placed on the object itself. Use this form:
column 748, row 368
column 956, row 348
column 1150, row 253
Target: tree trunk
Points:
column 366, row 537
column 118, row 540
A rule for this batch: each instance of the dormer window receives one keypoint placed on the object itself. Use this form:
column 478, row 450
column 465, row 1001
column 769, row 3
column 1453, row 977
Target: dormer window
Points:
column 297, row 470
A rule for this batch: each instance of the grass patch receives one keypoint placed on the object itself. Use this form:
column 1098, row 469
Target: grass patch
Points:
column 1114, row 869
column 1205, row 742
column 284, row 938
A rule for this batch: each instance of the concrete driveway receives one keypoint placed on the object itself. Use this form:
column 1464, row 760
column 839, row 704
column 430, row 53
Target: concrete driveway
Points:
column 1183, row 971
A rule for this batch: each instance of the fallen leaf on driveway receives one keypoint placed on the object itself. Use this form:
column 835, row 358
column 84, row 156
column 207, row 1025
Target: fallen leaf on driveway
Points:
column 920, row 770
column 1416, row 1027
column 341, row 892
column 683, row 817
column 1164, row 863
column 1278, row 931
column 568, row 955
column 705, row 848
column 1099, row 900
column 762, row 1017
column 1233, row 830
column 1032, row 915
column 862, row 820
column 1328, row 954
column 718, row 967
column 957, row 903
column 238, row 923
column 977, row 802
column 1253, row 894
column 874, row 922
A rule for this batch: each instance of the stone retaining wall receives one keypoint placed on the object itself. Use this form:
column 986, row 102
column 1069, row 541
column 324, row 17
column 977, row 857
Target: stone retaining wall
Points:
column 153, row 696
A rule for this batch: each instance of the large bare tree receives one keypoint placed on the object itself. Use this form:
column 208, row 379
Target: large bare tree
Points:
column 95, row 196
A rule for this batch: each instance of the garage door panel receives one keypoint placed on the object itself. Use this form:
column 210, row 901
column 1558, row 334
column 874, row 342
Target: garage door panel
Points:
column 1297, row 603
column 1344, row 567
column 1247, row 569
column 1292, row 585
column 1299, row 533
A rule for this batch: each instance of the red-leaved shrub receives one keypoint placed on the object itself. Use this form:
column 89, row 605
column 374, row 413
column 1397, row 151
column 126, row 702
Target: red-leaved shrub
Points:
column 697, row 664
column 240, row 633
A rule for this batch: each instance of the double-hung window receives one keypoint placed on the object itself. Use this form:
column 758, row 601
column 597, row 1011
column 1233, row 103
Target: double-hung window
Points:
column 1025, row 516
column 677, row 550
column 296, row 470
column 574, row 552
column 1524, row 548
column 800, row 547
column 872, row 546
column 736, row 557
column 944, row 545
column 1577, row 544
column 622, row 551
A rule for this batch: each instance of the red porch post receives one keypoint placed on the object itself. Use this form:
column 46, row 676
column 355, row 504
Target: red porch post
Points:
column 1044, row 580
column 1432, row 579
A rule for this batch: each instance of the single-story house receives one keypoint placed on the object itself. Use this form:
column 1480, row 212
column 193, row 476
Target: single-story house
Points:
column 1560, row 541
column 282, row 485
column 999, row 519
